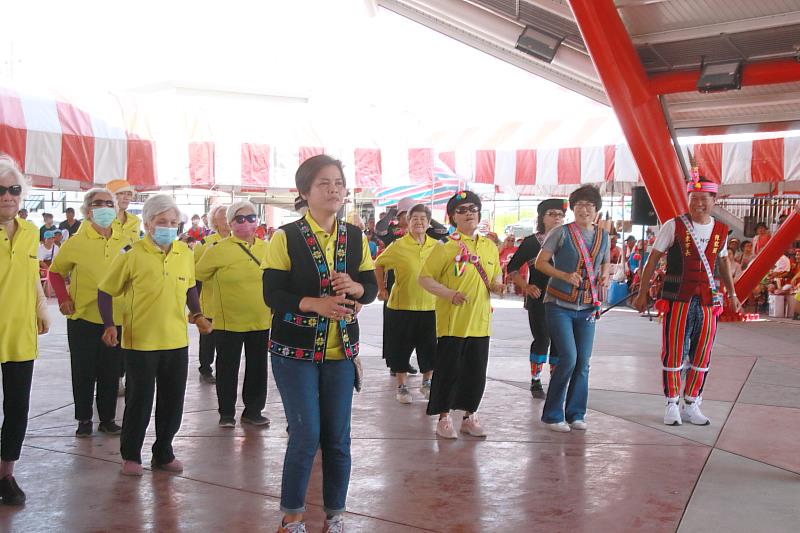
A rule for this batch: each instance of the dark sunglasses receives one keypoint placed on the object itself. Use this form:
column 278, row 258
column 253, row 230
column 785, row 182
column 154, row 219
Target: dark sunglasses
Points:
column 240, row 219
column 14, row 190
column 464, row 209
column 102, row 203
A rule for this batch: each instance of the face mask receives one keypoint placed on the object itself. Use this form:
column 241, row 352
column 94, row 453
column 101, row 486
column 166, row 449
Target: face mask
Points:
column 164, row 236
column 244, row 230
column 103, row 216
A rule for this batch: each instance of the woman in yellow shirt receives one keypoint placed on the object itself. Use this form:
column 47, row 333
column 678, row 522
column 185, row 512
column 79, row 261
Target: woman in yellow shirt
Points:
column 232, row 266
column 410, row 316
column 462, row 272
column 86, row 257
column 24, row 315
column 316, row 270
column 155, row 279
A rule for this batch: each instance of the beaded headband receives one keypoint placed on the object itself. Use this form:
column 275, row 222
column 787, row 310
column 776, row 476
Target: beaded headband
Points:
column 702, row 186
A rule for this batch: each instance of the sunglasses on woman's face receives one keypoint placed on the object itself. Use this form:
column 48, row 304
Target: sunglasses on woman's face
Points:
column 241, row 219
column 102, row 203
column 464, row 209
column 14, row 190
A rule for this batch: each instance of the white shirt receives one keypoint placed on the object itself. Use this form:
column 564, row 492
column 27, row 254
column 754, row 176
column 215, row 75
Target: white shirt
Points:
column 782, row 265
column 45, row 254
column 666, row 237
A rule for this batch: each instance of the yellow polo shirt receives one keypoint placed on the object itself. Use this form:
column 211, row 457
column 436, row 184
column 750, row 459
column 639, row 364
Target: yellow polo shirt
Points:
column 153, row 285
column 278, row 258
column 406, row 256
column 19, row 274
column 238, row 293
column 474, row 317
column 87, row 255
column 129, row 232
column 207, row 292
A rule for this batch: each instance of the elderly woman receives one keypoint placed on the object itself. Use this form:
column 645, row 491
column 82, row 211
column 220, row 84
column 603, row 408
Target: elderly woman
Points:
column 86, row 258
column 24, row 315
column 580, row 254
column 316, row 269
column 232, row 267
column 155, row 279
column 127, row 224
column 222, row 230
column 410, row 315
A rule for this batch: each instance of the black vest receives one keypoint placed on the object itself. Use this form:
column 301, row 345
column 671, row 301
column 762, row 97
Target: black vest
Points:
column 305, row 336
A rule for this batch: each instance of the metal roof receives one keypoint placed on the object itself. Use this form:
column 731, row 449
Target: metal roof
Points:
column 669, row 35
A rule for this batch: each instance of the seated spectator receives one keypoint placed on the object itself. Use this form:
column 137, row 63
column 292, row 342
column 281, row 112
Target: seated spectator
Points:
column 762, row 237
column 47, row 250
column 48, row 225
column 746, row 255
column 71, row 224
column 197, row 232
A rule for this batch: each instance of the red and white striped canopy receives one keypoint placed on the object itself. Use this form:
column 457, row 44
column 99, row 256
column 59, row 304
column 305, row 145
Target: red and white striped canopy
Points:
column 60, row 144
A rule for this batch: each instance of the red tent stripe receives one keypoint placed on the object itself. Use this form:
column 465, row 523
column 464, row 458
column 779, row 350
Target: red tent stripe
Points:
column 767, row 162
column 610, row 153
column 420, row 165
column 368, row 167
column 525, row 173
column 77, row 143
column 255, row 165
column 13, row 135
column 449, row 159
column 484, row 166
column 569, row 166
column 141, row 162
column 307, row 152
column 201, row 164
column 709, row 159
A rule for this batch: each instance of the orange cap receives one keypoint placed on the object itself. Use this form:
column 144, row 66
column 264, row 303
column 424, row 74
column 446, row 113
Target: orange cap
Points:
column 116, row 186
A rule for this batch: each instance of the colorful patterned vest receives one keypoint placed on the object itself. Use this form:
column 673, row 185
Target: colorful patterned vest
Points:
column 569, row 259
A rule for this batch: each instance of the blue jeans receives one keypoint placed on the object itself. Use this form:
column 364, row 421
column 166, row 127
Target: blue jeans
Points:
column 317, row 399
column 573, row 336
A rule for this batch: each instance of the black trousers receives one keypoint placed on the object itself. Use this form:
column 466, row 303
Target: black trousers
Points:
column 229, row 354
column 537, row 321
column 459, row 374
column 162, row 373
column 92, row 362
column 17, row 378
column 206, row 352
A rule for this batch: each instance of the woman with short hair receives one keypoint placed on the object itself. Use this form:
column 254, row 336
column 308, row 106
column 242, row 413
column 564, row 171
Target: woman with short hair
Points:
column 232, row 266
column 24, row 316
column 155, row 279
column 317, row 268
column 86, row 258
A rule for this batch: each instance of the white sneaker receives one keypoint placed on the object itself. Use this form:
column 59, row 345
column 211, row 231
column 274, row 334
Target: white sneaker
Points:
column 425, row 389
column 559, row 427
column 404, row 395
column 580, row 425
column 471, row 426
column 672, row 415
column 445, row 429
column 691, row 412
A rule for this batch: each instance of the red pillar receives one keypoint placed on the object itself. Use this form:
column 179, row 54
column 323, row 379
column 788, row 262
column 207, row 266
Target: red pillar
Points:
column 637, row 107
column 765, row 260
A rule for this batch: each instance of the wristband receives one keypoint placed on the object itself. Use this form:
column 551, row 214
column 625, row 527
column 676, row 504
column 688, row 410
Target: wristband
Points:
column 197, row 315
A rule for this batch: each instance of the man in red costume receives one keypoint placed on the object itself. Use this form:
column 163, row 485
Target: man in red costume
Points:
column 690, row 300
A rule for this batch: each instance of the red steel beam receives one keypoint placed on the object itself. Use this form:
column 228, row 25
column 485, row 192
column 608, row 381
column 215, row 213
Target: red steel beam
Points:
column 761, row 73
column 765, row 260
column 637, row 107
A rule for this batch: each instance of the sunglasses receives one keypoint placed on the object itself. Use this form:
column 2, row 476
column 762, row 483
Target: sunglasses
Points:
column 555, row 214
column 14, row 190
column 102, row 203
column 464, row 209
column 241, row 219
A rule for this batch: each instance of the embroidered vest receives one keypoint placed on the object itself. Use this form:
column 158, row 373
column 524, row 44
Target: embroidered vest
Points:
column 686, row 276
column 569, row 259
column 305, row 336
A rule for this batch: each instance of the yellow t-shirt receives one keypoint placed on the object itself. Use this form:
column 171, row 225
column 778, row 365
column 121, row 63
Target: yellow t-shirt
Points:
column 207, row 292
column 153, row 285
column 237, row 280
column 278, row 259
column 474, row 317
column 406, row 256
column 19, row 274
column 129, row 232
column 87, row 255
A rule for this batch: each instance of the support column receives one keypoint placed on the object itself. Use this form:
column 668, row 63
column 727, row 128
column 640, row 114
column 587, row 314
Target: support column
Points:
column 637, row 107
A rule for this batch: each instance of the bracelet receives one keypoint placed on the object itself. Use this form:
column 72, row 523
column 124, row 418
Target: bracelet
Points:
column 196, row 315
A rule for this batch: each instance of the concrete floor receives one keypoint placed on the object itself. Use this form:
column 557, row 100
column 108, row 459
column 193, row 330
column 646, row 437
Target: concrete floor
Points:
column 628, row 472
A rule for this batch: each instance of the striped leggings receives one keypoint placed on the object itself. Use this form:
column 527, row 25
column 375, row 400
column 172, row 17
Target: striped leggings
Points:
column 688, row 336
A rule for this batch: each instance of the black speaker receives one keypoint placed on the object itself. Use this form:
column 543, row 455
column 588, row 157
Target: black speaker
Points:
column 750, row 222
column 642, row 212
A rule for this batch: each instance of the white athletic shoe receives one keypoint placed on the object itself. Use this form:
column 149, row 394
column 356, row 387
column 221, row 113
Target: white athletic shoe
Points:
column 691, row 412
column 580, row 425
column 445, row 429
column 672, row 415
column 404, row 395
column 559, row 427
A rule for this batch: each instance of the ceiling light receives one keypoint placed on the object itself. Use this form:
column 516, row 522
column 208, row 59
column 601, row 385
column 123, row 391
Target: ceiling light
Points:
column 720, row 77
column 539, row 44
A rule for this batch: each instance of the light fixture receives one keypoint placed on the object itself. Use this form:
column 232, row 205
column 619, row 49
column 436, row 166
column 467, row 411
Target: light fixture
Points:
column 720, row 77
column 538, row 43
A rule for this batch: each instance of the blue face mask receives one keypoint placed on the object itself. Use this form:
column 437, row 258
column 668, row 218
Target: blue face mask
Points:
column 103, row 216
column 164, row 236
